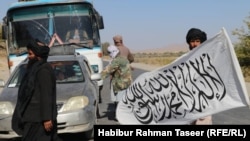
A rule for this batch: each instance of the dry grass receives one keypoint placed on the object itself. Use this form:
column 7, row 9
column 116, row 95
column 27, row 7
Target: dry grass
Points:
column 246, row 73
column 2, row 49
column 156, row 61
column 2, row 53
column 162, row 61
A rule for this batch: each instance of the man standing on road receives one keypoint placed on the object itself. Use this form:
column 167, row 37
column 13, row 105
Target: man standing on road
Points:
column 124, row 51
column 35, row 113
column 194, row 38
column 120, row 71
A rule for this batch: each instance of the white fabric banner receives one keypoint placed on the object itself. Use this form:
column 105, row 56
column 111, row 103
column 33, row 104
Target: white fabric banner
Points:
column 202, row 82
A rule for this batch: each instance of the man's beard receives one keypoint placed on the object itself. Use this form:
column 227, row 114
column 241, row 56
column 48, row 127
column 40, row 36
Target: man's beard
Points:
column 32, row 62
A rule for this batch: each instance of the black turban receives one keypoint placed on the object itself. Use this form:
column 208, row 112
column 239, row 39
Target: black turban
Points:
column 39, row 50
column 194, row 34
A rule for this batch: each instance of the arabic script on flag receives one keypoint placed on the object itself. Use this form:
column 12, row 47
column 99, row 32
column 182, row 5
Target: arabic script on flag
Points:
column 202, row 82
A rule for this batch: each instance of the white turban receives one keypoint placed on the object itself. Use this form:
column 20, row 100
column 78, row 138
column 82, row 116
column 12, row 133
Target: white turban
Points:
column 113, row 51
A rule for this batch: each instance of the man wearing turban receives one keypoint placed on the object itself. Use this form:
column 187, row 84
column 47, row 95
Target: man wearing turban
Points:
column 194, row 38
column 124, row 51
column 35, row 113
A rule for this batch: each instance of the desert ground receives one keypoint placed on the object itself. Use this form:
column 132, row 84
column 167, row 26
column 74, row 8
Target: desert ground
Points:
column 4, row 71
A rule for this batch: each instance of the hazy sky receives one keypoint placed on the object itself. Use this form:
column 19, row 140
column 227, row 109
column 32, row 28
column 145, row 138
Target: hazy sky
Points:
column 146, row 24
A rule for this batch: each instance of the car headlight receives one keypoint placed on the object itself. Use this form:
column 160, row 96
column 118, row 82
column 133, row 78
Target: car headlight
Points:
column 75, row 103
column 6, row 108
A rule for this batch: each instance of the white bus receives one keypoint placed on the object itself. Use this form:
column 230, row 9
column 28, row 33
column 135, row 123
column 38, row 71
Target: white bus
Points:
column 49, row 21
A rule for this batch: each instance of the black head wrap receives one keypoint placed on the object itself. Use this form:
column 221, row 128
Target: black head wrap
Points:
column 39, row 50
column 195, row 33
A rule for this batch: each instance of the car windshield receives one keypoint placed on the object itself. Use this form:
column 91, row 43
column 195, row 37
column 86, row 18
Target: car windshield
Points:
column 65, row 72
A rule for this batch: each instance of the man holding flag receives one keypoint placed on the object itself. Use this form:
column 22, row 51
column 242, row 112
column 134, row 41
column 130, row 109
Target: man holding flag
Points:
column 194, row 38
column 202, row 82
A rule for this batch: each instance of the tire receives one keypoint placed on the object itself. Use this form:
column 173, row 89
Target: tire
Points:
column 89, row 134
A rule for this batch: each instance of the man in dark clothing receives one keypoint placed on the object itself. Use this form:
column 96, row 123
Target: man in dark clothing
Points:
column 194, row 38
column 35, row 113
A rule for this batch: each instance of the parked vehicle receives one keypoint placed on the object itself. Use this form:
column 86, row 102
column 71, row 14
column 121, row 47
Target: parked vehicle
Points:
column 77, row 94
column 49, row 21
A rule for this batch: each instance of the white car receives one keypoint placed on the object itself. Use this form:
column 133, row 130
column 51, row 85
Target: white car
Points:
column 77, row 94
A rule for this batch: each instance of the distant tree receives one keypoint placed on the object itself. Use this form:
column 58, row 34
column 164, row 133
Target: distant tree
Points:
column 242, row 48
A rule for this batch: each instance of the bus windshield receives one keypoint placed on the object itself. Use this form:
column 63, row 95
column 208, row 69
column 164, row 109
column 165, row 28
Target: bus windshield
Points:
column 43, row 22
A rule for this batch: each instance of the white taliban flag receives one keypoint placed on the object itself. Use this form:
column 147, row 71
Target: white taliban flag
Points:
column 202, row 82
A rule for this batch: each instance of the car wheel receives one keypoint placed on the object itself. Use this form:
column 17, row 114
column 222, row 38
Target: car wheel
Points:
column 89, row 134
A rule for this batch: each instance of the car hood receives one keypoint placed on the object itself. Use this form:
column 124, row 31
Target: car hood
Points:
column 9, row 94
column 64, row 92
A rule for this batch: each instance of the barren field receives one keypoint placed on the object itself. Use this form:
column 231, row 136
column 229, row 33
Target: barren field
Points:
column 4, row 72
